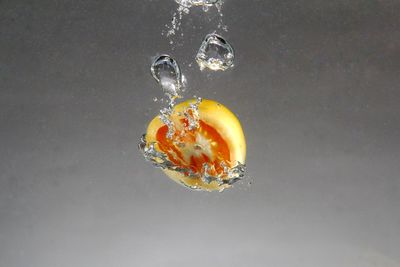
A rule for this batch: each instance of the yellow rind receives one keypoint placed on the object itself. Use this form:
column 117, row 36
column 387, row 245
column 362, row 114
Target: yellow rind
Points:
column 222, row 120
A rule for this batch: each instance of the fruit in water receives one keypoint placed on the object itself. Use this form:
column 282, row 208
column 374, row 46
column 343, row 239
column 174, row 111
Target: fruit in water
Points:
column 207, row 144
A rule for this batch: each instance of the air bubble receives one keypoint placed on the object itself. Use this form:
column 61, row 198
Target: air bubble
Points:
column 215, row 53
column 165, row 70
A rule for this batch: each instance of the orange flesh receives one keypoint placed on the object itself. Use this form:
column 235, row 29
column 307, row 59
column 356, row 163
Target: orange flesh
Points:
column 218, row 148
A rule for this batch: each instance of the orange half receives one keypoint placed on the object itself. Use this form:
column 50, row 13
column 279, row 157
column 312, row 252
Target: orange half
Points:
column 218, row 142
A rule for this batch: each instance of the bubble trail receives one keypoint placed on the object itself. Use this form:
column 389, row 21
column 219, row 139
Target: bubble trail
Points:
column 190, row 3
column 215, row 53
column 165, row 70
column 184, row 6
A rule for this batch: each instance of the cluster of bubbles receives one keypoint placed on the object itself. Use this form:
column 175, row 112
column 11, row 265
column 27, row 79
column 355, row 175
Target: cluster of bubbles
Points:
column 190, row 3
column 184, row 7
column 216, row 54
column 229, row 176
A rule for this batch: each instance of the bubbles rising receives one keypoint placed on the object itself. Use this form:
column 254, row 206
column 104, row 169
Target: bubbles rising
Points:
column 165, row 70
column 184, row 6
column 190, row 3
column 179, row 140
column 215, row 53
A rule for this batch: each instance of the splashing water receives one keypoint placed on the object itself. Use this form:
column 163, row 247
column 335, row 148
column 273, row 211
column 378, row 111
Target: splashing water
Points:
column 234, row 174
column 224, row 175
column 215, row 53
column 224, row 179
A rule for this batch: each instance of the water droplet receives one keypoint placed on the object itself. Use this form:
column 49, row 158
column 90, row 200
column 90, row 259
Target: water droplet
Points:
column 215, row 53
column 166, row 72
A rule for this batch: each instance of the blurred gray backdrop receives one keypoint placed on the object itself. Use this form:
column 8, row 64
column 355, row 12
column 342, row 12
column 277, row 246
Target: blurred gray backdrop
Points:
column 316, row 87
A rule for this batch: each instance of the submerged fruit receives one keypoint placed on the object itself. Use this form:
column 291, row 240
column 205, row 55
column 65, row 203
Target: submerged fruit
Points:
column 207, row 149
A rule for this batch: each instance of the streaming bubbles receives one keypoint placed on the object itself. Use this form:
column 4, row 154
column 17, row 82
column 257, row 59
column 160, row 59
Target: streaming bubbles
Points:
column 190, row 3
column 165, row 70
column 174, row 27
column 215, row 53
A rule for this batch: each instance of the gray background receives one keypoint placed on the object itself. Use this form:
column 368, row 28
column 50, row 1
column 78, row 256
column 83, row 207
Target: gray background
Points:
column 316, row 86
